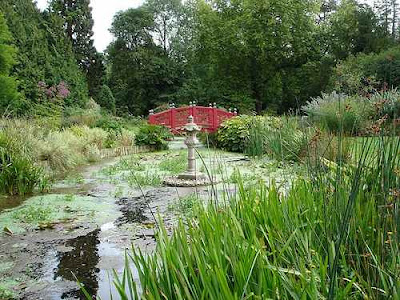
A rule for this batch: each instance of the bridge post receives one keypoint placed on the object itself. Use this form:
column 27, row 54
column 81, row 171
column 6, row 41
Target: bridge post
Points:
column 172, row 113
column 215, row 117
column 194, row 110
column 151, row 116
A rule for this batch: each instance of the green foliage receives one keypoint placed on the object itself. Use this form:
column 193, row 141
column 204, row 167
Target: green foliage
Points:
column 386, row 104
column 186, row 205
column 33, row 214
column 143, row 179
column 81, row 116
column 31, row 153
column 174, row 165
column 245, row 133
column 153, row 136
column 109, row 124
column 18, row 174
column 339, row 112
column 286, row 142
column 281, row 139
column 142, row 75
column 8, row 85
column 44, row 55
column 78, row 27
column 234, row 133
column 363, row 73
column 327, row 237
column 106, row 99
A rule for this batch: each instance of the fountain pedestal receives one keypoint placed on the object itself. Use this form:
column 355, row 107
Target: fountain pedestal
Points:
column 191, row 177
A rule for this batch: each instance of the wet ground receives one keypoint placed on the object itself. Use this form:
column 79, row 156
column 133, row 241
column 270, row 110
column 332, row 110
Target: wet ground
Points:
column 81, row 230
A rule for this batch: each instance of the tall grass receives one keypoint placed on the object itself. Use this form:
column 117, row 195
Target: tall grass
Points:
column 32, row 152
column 334, row 235
column 18, row 173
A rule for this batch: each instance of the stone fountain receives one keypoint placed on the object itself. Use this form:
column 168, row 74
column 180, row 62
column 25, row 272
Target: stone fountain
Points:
column 191, row 177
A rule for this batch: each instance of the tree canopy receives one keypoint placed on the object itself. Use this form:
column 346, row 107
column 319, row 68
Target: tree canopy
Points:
column 270, row 55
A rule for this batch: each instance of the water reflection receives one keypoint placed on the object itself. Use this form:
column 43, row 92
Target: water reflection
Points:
column 81, row 262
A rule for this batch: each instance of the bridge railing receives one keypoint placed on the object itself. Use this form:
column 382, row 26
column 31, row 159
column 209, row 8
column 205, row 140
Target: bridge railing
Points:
column 208, row 118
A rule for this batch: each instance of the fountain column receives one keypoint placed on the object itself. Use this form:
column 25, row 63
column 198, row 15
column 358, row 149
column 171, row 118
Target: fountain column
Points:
column 191, row 142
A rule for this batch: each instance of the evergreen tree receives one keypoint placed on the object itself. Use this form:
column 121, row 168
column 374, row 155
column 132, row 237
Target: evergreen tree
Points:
column 395, row 11
column 8, row 85
column 44, row 53
column 96, row 74
column 106, row 98
column 78, row 24
column 384, row 11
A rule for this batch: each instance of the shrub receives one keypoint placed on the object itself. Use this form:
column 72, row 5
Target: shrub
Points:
column 61, row 150
column 234, row 133
column 109, row 123
column 386, row 103
column 126, row 138
column 339, row 112
column 18, row 174
column 154, row 136
column 366, row 72
column 106, row 99
column 79, row 116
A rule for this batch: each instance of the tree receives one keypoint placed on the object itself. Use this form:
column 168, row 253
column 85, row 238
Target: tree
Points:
column 8, row 85
column 166, row 15
column 142, row 75
column 96, row 75
column 44, row 53
column 106, row 99
column 242, row 51
column 355, row 28
column 384, row 10
column 78, row 24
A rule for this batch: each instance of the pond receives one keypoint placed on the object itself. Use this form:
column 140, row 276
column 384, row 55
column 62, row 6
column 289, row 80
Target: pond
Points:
column 82, row 229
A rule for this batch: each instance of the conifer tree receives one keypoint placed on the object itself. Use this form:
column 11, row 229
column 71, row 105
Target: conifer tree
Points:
column 78, row 24
column 8, row 85
column 44, row 53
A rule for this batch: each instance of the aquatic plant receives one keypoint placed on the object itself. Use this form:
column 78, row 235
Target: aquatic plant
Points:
column 175, row 164
column 333, row 235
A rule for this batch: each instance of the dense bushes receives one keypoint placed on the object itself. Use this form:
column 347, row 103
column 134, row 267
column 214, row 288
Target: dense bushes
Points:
column 338, row 112
column 286, row 142
column 352, row 114
column 30, row 152
column 106, row 99
column 234, row 133
column 364, row 73
column 154, row 136
column 281, row 138
column 44, row 59
column 8, row 85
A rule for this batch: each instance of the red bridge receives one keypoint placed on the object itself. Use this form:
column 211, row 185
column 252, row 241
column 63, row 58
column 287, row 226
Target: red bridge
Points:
column 208, row 118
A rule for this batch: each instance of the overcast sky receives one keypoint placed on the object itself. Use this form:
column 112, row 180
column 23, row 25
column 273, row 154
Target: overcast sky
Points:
column 103, row 12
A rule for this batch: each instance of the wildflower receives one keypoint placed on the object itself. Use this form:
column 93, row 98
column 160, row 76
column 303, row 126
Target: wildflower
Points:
column 41, row 85
column 62, row 89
